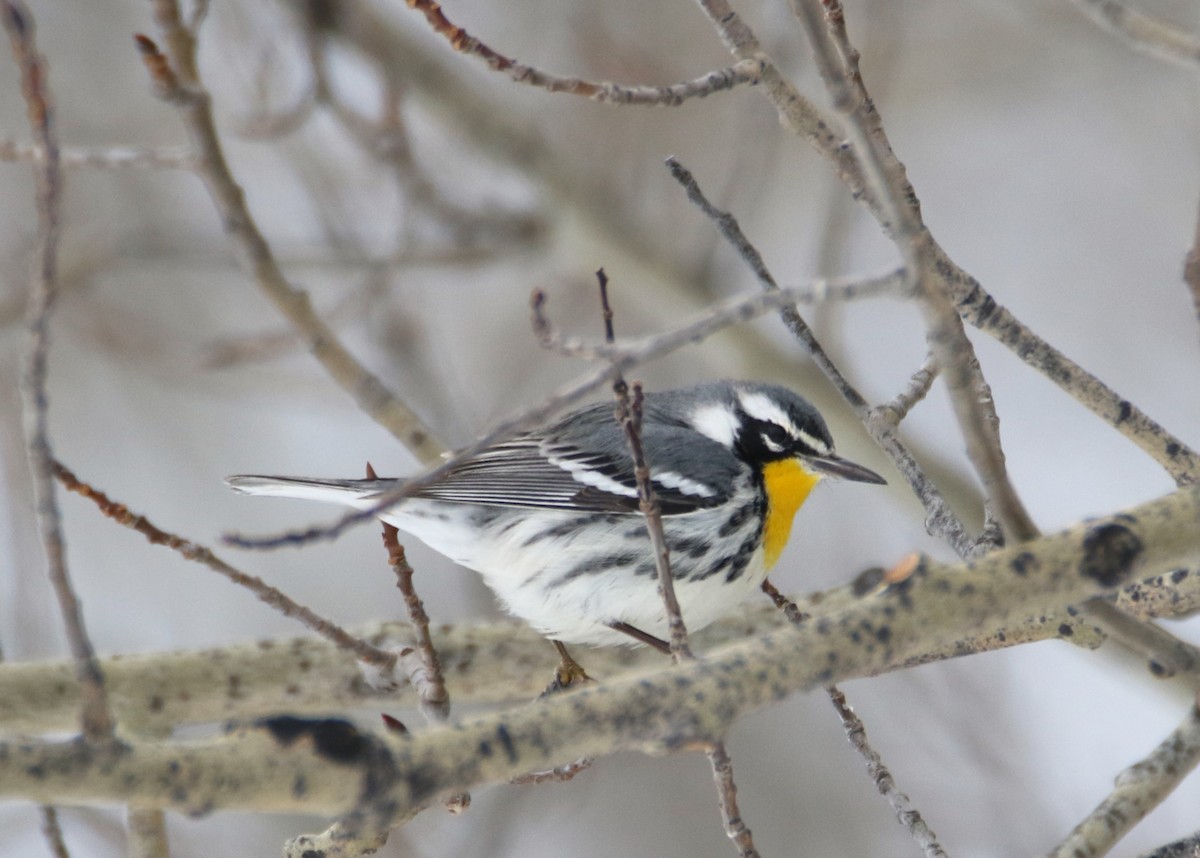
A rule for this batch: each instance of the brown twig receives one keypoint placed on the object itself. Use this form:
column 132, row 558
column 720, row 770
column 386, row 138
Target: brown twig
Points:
column 97, row 723
column 177, row 81
column 425, row 673
column 609, row 93
column 53, row 832
column 558, row 774
column 731, row 816
column 629, row 415
column 908, row 815
column 383, row 660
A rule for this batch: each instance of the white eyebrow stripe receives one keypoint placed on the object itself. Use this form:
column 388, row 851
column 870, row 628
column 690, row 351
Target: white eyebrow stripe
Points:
column 716, row 422
column 815, row 443
column 584, row 474
column 762, row 407
column 672, row 480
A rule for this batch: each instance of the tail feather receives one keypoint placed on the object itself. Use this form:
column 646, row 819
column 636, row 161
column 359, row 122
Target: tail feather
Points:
column 333, row 491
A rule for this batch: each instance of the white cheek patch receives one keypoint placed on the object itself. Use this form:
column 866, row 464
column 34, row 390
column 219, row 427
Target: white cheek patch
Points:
column 716, row 422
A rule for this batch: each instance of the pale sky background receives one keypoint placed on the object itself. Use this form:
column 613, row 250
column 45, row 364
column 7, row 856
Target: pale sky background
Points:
column 1054, row 163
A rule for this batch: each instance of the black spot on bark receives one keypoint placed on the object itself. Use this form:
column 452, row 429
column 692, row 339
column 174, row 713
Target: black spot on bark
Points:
column 1109, row 552
column 333, row 738
column 1123, row 411
column 1065, row 630
column 507, row 742
column 1024, row 563
column 1178, row 575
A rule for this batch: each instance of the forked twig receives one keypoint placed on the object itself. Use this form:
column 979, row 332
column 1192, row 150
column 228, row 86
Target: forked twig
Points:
column 380, row 659
column 940, row 520
column 727, row 78
column 426, row 674
column 177, row 81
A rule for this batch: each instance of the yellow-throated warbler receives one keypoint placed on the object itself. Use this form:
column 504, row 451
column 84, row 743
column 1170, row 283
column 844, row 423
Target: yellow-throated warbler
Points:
column 551, row 519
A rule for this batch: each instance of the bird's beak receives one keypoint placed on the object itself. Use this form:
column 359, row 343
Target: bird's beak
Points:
column 835, row 466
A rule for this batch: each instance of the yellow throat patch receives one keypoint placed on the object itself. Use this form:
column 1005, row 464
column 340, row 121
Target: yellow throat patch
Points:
column 787, row 483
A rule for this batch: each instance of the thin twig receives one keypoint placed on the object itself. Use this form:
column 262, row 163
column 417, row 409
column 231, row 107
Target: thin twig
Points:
column 558, row 774
column 97, row 722
column 940, row 520
column 884, row 174
column 731, row 816
column 629, row 415
column 426, row 674
column 908, row 815
column 53, row 832
column 856, row 733
column 1167, row 654
column 177, row 81
column 636, row 353
column 1191, row 270
column 1139, row 789
column 973, row 302
column 609, row 93
column 917, row 389
column 381, row 659
column 147, row 833
column 112, row 157
column 1142, row 32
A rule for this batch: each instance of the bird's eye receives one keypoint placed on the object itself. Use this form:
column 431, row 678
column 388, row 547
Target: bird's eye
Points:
column 775, row 436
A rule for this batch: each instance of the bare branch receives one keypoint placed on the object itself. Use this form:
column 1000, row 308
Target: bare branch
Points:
column 683, row 706
column 177, row 82
column 384, row 661
column 1188, row 847
column 147, row 832
column 1143, row 32
column 884, row 175
column 735, row 827
column 53, row 832
column 1167, row 654
column 908, row 815
column 609, row 93
column 1140, row 788
column 96, row 720
column 113, row 157
column 940, row 520
column 918, row 388
column 426, row 675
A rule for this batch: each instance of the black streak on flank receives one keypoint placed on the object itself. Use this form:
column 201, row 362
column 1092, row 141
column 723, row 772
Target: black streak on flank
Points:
column 1109, row 552
column 507, row 742
column 332, row 738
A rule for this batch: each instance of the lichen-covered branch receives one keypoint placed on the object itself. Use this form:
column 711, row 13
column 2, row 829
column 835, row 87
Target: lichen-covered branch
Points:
column 690, row 705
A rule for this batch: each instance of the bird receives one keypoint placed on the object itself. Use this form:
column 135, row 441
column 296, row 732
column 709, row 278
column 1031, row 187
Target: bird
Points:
column 551, row 518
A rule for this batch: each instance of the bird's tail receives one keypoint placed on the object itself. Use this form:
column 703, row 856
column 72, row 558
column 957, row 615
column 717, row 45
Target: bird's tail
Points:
column 351, row 492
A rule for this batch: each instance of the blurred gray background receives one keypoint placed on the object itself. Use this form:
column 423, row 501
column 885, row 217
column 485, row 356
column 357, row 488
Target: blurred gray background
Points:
column 1054, row 163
